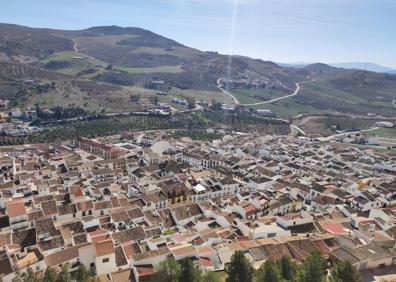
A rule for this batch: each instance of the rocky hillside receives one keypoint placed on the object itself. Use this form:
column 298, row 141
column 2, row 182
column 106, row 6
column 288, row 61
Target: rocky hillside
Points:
column 136, row 60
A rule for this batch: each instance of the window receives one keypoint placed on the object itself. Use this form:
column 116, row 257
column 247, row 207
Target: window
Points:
column 105, row 260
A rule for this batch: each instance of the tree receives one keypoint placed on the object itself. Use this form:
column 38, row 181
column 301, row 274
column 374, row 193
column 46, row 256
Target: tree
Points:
column 167, row 271
column 268, row 272
column 216, row 106
column 239, row 269
column 287, row 267
column 154, row 100
column 49, row 275
column 58, row 112
column 39, row 111
column 82, row 275
column 190, row 102
column 64, row 275
column 210, row 276
column 135, row 98
column 188, row 272
column 27, row 276
column 343, row 271
column 313, row 269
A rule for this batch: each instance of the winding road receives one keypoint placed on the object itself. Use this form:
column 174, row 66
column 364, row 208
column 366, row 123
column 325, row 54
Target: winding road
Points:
column 296, row 128
column 295, row 92
column 328, row 138
column 220, row 86
column 75, row 46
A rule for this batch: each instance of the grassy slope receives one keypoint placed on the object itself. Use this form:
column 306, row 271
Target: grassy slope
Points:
column 199, row 95
column 384, row 132
column 160, row 69
column 370, row 94
column 77, row 62
column 246, row 96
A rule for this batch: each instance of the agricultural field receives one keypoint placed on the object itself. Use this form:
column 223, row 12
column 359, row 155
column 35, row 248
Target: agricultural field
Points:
column 163, row 69
column 384, row 132
column 289, row 107
column 71, row 63
column 329, row 125
column 200, row 95
column 247, row 96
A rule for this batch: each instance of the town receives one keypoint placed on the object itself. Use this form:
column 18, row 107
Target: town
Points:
column 120, row 205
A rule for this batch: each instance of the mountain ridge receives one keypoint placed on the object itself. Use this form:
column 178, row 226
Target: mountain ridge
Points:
column 133, row 60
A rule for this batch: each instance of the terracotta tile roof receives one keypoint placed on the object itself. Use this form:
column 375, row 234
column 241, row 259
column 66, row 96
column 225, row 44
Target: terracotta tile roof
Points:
column 53, row 243
column 39, row 199
column 80, row 238
column 119, row 216
column 131, row 249
column 16, row 208
column 46, row 226
column 151, row 254
column 34, row 215
column 67, row 209
column 133, row 234
column 5, row 238
column 124, row 275
column 103, row 248
column 61, row 256
column 49, row 207
column 145, row 271
column 120, row 256
column 135, row 213
column 5, row 267
column 86, row 205
column 24, row 238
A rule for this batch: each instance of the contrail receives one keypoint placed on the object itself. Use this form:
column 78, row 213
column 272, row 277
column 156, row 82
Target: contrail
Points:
column 232, row 35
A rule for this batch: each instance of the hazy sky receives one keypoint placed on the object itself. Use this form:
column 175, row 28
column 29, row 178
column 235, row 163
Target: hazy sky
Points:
column 280, row 30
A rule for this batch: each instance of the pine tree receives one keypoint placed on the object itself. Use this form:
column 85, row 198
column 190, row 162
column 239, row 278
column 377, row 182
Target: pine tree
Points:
column 49, row 275
column 344, row 272
column 287, row 268
column 210, row 276
column 313, row 269
column 64, row 275
column 268, row 272
column 82, row 274
column 167, row 271
column 188, row 272
column 239, row 269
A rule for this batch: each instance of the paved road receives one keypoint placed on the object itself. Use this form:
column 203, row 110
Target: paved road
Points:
column 292, row 126
column 328, row 138
column 295, row 92
column 220, row 86
column 279, row 98
column 75, row 46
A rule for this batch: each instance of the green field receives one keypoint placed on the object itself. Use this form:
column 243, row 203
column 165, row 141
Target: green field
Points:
column 166, row 69
column 288, row 107
column 248, row 96
column 200, row 95
column 325, row 92
column 104, row 39
column 384, row 132
column 77, row 62
column 180, row 52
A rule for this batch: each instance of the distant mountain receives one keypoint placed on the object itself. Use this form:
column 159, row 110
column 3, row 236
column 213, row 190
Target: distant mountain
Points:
column 296, row 65
column 347, row 65
column 100, row 68
column 365, row 66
